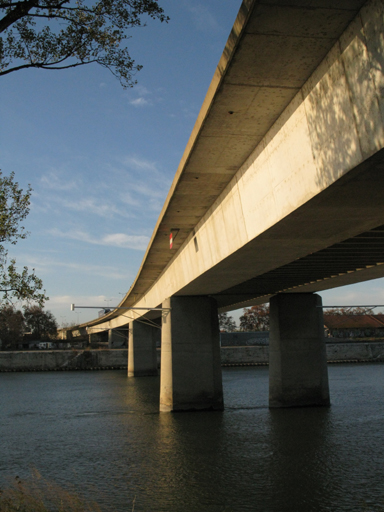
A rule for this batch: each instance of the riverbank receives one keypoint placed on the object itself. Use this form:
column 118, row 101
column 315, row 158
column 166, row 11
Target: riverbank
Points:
column 355, row 352
column 116, row 359
column 63, row 360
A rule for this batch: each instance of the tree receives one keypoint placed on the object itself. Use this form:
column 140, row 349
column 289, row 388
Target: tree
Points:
column 12, row 327
column 61, row 34
column 348, row 311
column 226, row 323
column 14, row 208
column 255, row 318
column 42, row 324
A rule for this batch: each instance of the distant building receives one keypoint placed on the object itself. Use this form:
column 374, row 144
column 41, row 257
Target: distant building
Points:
column 354, row 326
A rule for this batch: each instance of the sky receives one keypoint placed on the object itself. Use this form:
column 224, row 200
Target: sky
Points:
column 101, row 159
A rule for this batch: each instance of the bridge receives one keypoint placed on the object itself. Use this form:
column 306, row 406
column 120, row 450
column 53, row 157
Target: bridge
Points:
column 279, row 194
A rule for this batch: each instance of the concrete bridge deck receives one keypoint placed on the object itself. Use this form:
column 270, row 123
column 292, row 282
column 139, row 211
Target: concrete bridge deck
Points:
column 280, row 188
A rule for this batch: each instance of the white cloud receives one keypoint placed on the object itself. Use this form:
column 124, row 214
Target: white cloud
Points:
column 93, row 206
column 189, row 111
column 142, row 91
column 108, row 201
column 139, row 97
column 59, row 305
column 140, row 102
column 89, row 300
column 47, row 266
column 139, row 164
column 203, row 18
column 65, row 299
column 55, row 180
column 142, row 190
column 145, row 190
column 122, row 240
column 127, row 198
column 127, row 187
column 126, row 241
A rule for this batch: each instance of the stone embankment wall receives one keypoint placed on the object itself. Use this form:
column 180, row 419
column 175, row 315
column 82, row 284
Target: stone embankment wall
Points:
column 336, row 353
column 56, row 360
column 235, row 339
column 49, row 360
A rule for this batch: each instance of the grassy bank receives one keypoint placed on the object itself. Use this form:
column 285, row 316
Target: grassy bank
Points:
column 37, row 494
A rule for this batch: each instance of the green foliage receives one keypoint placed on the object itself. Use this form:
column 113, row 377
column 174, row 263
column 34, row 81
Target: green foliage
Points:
column 14, row 208
column 12, row 327
column 226, row 323
column 255, row 318
column 42, row 324
column 19, row 286
column 76, row 32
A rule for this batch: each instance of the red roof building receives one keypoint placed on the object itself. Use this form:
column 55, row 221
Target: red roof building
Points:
column 354, row 326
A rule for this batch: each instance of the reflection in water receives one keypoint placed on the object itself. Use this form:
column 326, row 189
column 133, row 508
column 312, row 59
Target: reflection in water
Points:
column 102, row 433
column 192, row 466
column 298, row 463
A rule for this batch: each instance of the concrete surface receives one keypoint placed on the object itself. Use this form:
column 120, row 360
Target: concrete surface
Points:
column 298, row 374
column 336, row 353
column 190, row 373
column 142, row 357
column 230, row 339
column 281, row 185
column 49, row 360
column 117, row 338
column 46, row 360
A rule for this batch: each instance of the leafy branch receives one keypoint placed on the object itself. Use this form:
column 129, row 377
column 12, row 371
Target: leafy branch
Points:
column 14, row 208
column 76, row 34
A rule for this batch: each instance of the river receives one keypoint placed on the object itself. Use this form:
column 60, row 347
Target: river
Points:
column 102, row 434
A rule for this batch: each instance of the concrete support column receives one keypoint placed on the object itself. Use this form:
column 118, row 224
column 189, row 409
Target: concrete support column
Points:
column 95, row 338
column 190, row 369
column 113, row 338
column 142, row 360
column 298, row 374
column 117, row 338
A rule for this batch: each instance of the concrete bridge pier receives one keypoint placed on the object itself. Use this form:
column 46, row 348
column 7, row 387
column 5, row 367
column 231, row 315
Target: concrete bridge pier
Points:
column 190, row 370
column 298, row 374
column 142, row 359
column 95, row 338
column 117, row 338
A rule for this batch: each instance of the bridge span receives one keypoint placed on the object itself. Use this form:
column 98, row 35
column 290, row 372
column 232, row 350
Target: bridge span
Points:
column 279, row 194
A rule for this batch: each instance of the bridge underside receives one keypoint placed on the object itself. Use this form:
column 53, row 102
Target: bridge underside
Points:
column 340, row 231
column 273, row 49
column 280, row 193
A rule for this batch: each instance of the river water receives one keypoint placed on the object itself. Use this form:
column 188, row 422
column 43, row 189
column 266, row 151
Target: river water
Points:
column 102, row 434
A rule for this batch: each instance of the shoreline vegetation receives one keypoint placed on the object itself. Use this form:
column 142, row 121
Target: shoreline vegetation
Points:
column 37, row 494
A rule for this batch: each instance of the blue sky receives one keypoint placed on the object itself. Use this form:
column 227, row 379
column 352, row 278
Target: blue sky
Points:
column 100, row 159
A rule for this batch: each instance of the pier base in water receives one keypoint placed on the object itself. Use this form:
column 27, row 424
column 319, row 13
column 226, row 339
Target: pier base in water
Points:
column 298, row 374
column 142, row 358
column 190, row 356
